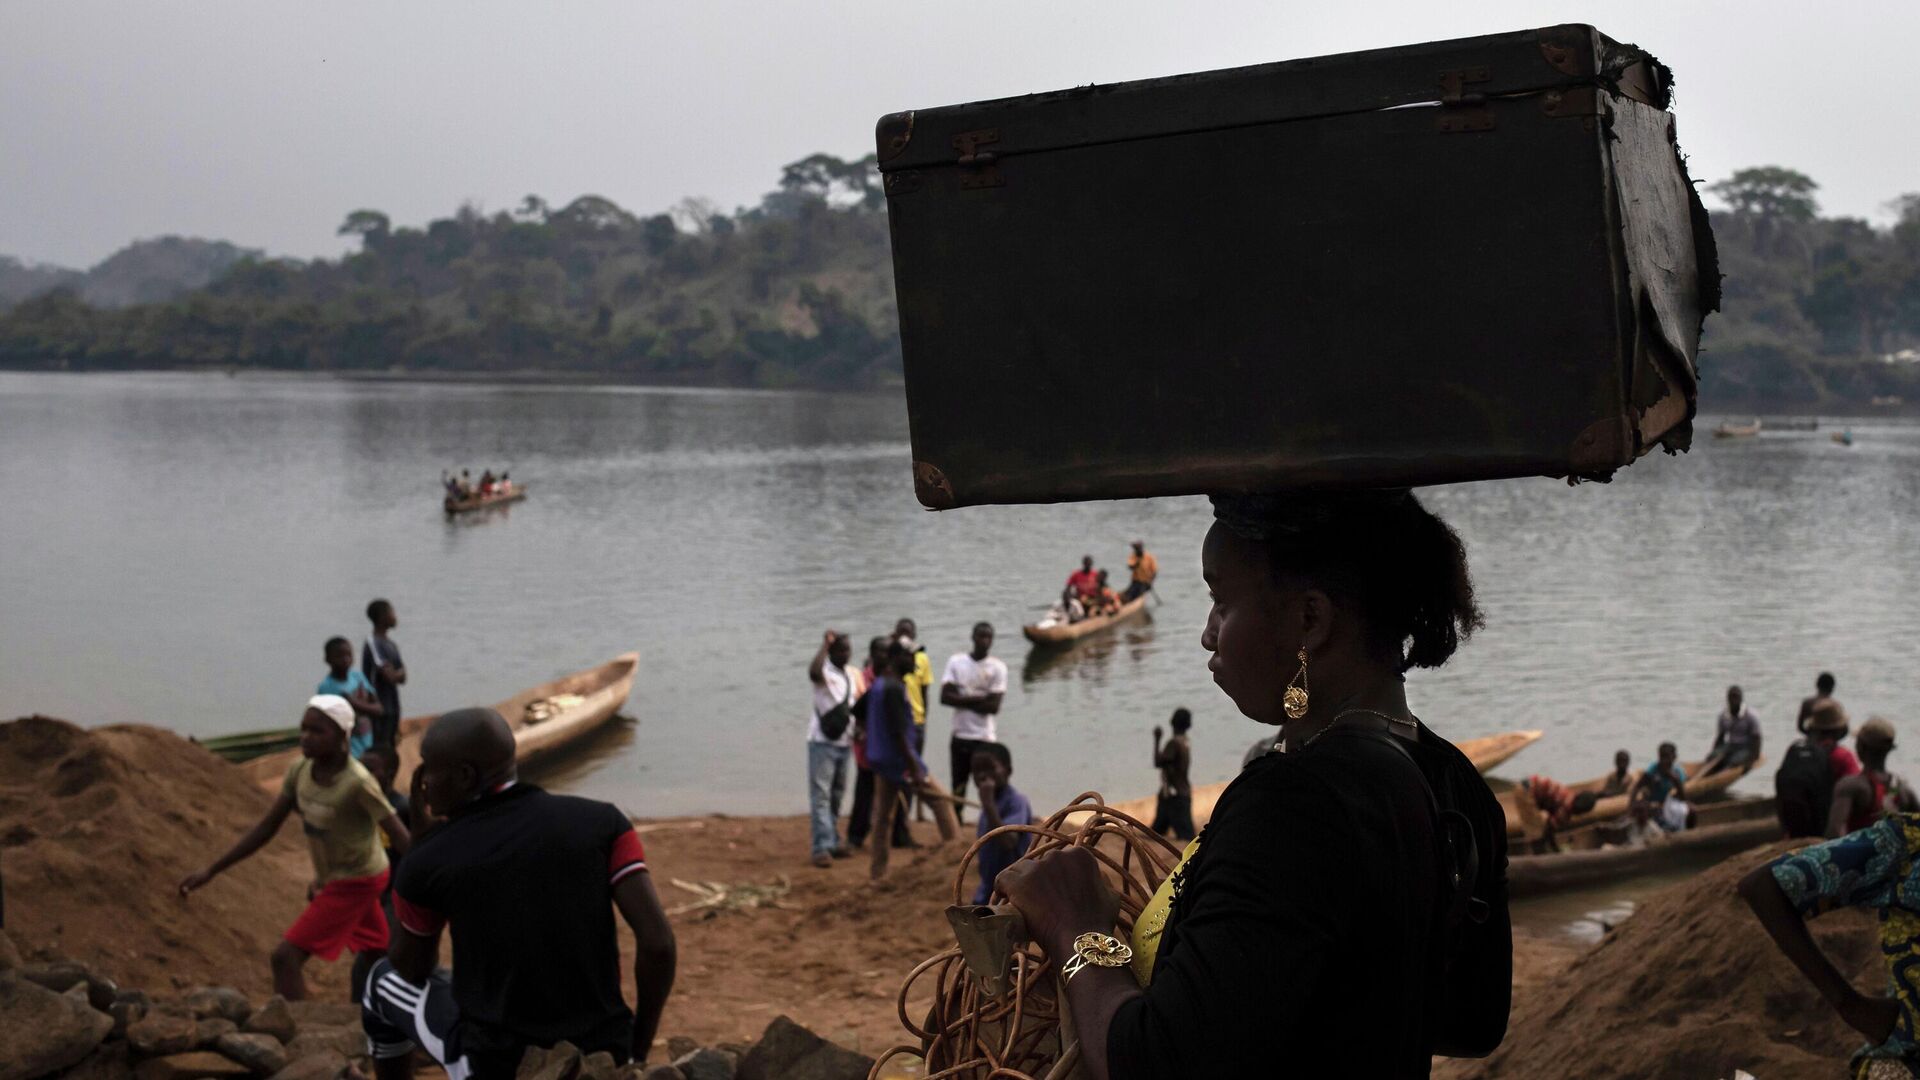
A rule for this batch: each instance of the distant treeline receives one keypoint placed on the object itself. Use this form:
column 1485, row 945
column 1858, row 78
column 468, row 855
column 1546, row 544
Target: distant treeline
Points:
column 795, row 291
column 1819, row 312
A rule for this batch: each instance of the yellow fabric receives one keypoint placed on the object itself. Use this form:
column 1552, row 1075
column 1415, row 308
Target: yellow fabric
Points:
column 1144, row 566
column 1145, row 938
column 341, row 820
column 916, row 685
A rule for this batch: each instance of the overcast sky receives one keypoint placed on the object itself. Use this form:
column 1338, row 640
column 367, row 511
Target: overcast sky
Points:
column 264, row 122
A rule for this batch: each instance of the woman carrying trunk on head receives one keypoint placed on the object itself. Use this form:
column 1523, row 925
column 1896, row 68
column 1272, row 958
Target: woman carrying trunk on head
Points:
column 1305, row 933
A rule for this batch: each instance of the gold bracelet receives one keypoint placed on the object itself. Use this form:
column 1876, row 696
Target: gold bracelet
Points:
column 1097, row 950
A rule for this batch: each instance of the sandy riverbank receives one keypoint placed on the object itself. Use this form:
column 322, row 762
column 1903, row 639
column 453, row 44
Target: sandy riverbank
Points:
column 96, row 826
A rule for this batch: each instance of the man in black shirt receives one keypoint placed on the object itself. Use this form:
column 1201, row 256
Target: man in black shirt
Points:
column 527, row 881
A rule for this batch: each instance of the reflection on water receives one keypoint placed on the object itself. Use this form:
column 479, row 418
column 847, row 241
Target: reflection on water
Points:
column 176, row 548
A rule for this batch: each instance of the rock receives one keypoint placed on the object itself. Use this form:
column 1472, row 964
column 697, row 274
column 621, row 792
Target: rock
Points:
column 261, row 1053
column 9, row 955
column 221, row 1001
column 315, row 1038
column 738, row 1050
column 706, row 1065
column 194, row 1065
column 680, row 1046
column 273, row 1018
column 560, row 1062
column 128, row 1007
column 60, row 976
column 662, row 1072
column 162, row 1033
column 787, row 1051
column 211, row 1030
column 326, row 1065
column 109, row 1061
column 598, row 1066
column 41, row 1031
column 328, row 1013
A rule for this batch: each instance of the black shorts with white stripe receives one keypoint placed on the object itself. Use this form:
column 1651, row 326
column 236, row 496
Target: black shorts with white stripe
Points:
column 398, row 1016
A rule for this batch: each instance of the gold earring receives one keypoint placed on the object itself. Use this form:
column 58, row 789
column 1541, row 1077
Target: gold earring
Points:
column 1294, row 701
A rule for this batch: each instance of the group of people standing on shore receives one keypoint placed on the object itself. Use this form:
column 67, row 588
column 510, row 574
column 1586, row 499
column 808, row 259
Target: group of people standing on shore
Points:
column 871, row 721
column 470, row 851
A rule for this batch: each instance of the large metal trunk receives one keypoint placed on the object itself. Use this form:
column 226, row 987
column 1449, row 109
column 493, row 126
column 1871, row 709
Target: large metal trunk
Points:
column 1455, row 261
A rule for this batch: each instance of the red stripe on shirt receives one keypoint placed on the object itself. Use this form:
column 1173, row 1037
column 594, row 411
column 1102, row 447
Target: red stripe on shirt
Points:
column 626, row 857
column 420, row 921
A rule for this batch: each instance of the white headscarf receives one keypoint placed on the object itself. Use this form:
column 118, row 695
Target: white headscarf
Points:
column 337, row 708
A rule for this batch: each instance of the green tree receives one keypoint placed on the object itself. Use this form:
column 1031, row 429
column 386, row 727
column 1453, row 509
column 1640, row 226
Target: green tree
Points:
column 1769, row 191
column 371, row 226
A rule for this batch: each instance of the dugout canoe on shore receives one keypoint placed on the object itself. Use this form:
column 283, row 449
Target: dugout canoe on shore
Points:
column 481, row 502
column 1485, row 753
column 1050, row 632
column 1524, row 819
column 1593, row 854
column 544, row 718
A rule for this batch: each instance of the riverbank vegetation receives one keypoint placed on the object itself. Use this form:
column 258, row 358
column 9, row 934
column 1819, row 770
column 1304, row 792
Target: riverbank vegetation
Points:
column 797, row 291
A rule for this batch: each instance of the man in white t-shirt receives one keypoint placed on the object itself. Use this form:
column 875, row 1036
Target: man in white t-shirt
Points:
column 973, row 686
column 829, row 743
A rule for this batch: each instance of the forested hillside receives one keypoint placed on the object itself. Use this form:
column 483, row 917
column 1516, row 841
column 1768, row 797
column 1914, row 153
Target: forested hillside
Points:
column 1819, row 312
column 143, row 272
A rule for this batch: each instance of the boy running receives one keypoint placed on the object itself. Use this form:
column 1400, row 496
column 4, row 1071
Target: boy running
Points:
column 342, row 812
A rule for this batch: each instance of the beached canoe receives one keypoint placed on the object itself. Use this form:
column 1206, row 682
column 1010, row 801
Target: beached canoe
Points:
column 1051, row 632
column 1524, row 819
column 1484, row 752
column 247, row 745
column 573, row 706
column 481, row 502
column 1593, row 854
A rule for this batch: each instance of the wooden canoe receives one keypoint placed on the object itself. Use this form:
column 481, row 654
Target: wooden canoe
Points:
column 1719, row 830
column 481, row 502
column 1484, row 752
column 602, row 691
column 1737, row 431
column 247, row 745
column 1524, row 819
column 1049, row 632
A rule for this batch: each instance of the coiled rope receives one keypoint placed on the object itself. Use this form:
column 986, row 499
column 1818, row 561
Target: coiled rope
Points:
column 968, row 1033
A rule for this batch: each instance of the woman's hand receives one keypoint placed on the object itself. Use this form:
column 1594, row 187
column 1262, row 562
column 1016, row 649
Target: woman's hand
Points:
column 1061, row 895
column 1874, row 1017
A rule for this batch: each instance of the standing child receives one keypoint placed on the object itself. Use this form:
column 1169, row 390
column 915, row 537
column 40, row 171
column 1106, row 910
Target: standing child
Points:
column 1174, row 808
column 1000, row 805
column 342, row 812
column 349, row 683
column 380, row 662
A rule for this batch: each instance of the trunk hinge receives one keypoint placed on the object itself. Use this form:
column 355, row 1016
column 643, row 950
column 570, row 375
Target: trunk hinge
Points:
column 1461, row 110
column 977, row 168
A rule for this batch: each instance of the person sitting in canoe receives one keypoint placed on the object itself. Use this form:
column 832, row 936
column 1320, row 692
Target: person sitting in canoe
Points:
column 1105, row 600
column 504, row 485
column 1069, row 609
column 452, row 484
column 1083, row 582
column 1621, row 778
column 486, row 482
column 1664, row 787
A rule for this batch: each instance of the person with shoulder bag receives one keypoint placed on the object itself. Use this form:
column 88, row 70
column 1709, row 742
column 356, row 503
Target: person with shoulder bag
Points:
column 829, row 744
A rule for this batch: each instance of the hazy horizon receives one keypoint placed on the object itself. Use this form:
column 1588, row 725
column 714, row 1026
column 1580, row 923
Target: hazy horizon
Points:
column 266, row 125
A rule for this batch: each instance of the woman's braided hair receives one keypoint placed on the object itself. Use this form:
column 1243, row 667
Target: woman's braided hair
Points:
column 1379, row 552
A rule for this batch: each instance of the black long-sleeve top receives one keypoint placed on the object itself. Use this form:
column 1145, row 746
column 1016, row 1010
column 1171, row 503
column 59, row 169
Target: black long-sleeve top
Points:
column 1302, row 940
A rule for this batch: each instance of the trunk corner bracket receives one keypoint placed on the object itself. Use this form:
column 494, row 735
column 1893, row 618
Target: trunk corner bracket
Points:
column 1462, row 110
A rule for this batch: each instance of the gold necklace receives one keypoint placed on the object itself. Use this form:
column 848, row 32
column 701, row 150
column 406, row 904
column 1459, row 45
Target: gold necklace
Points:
column 1281, row 745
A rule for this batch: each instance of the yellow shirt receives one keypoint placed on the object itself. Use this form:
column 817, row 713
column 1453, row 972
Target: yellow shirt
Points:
column 1145, row 938
column 916, row 685
column 1144, row 566
column 341, row 820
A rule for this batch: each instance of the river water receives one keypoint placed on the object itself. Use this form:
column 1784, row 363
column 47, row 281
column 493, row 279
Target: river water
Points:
column 175, row 548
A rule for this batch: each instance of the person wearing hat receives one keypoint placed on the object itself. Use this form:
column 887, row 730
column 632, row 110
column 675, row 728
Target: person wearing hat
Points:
column 1145, row 568
column 342, row 812
column 1811, row 769
column 1859, row 800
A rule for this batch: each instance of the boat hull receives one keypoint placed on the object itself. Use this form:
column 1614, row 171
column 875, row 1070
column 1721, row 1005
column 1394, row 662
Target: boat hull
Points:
column 1724, row 828
column 603, row 690
column 481, row 502
column 1065, row 633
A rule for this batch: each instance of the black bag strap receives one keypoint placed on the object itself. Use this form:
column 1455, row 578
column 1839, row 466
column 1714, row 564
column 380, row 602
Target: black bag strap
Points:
column 1459, row 851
